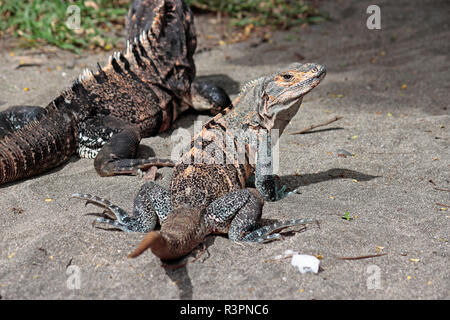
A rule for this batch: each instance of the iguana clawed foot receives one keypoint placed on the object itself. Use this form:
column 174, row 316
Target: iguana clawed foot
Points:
column 266, row 233
column 119, row 218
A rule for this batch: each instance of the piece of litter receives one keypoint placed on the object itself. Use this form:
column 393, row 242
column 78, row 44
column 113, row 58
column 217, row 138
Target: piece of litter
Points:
column 305, row 263
column 344, row 153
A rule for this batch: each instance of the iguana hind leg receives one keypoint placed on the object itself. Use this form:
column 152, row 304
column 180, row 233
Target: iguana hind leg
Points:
column 241, row 211
column 152, row 204
column 17, row 117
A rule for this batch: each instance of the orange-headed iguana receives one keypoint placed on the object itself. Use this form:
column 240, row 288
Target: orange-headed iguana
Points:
column 208, row 192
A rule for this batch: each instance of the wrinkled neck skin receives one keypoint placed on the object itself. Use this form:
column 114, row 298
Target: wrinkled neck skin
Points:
column 280, row 120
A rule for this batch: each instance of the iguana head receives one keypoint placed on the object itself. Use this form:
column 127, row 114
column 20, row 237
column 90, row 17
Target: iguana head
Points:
column 274, row 100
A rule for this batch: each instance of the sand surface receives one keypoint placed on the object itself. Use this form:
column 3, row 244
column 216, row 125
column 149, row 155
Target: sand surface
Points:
column 392, row 87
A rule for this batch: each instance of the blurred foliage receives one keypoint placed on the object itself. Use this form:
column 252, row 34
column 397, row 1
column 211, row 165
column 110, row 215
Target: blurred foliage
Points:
column 45, row 21
column 278, row 13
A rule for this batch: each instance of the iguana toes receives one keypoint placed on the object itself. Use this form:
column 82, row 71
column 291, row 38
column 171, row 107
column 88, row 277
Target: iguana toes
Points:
column 104, row 114
column 208, row 192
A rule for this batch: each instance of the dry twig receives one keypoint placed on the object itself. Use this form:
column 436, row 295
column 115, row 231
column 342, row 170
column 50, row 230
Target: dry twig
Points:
column 317, row 125
column 363, row 257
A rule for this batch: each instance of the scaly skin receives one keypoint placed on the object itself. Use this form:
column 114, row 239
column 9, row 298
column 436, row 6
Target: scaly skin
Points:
column 208, row 192
column 105, row 114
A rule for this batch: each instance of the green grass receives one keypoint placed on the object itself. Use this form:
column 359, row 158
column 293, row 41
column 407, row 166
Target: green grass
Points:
column 45, row 21
column 39, row 22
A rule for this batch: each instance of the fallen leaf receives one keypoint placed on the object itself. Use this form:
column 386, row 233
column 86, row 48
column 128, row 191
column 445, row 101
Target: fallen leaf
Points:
column 91, row 4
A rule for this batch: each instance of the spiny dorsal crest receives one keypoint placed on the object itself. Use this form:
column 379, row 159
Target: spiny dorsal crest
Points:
column 250, row 84
column 117, row 62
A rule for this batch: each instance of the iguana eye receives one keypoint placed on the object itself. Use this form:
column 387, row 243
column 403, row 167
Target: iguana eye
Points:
column 287, row 76
column 314, row 70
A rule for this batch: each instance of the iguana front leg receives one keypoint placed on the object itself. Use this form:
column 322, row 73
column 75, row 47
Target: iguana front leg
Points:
column 208, row 97
column 118, row 155
column 264, row 178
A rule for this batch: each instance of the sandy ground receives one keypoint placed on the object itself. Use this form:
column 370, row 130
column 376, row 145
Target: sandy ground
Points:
column 392, row 88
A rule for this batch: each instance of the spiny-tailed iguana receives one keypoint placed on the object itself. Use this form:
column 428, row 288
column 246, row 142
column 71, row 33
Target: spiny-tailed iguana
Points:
column 208, row 192
column 104, row 114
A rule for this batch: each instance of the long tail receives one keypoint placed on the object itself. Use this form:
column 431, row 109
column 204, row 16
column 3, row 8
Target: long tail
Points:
column 39, row 146
column 155, row 242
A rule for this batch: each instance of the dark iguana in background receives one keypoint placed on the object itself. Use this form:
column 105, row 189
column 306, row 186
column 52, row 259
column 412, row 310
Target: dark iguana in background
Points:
column 208, row 191
column 104, row 114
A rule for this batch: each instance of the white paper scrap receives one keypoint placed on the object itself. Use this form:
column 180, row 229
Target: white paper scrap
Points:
column 305, row 263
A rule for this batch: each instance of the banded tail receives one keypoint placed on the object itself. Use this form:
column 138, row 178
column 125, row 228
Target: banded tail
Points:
column 39, row 146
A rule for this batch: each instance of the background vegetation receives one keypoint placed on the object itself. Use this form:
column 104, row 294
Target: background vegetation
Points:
column 38, row 22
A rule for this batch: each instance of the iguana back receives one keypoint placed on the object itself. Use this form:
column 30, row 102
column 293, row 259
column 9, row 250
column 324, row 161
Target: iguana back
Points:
column 136, row 94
